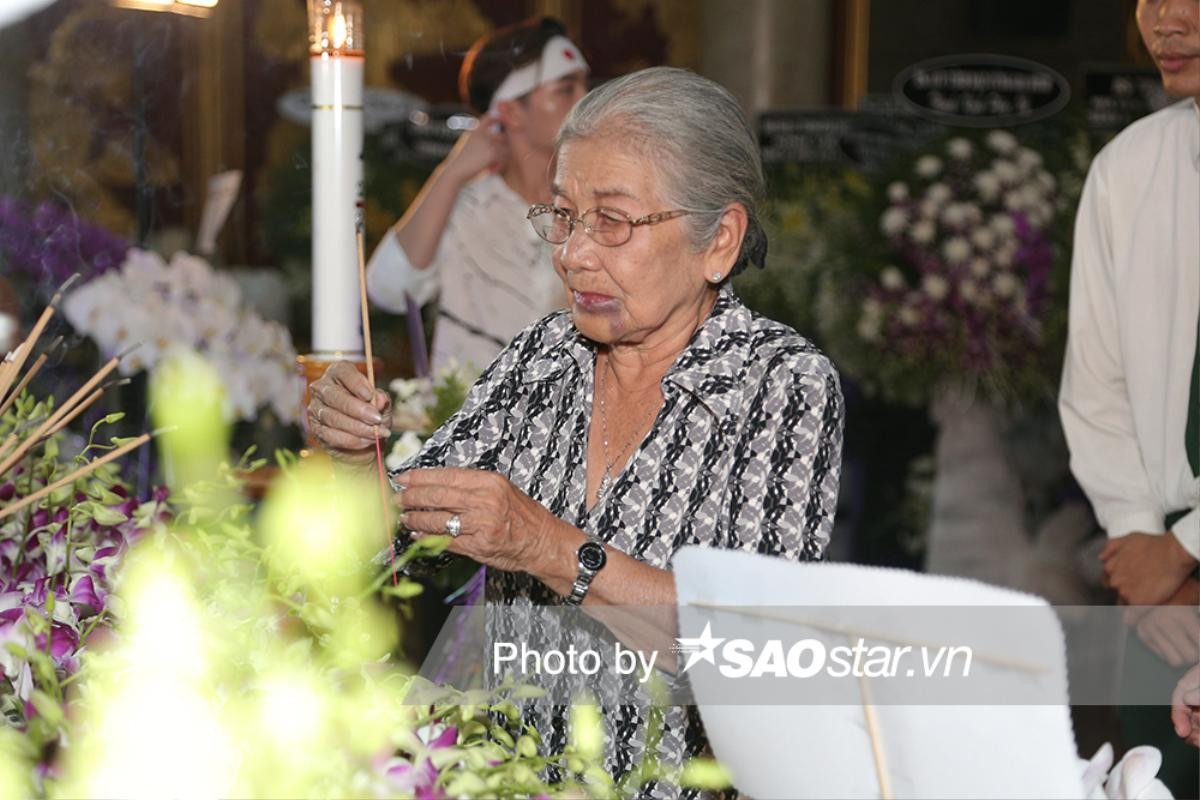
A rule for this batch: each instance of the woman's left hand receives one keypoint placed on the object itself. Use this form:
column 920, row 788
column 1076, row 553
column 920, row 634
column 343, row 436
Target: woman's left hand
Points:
column 500, row 525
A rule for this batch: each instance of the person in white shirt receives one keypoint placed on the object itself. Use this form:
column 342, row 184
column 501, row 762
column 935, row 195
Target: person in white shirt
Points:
column 1130, row 395
column 465, row 234
column 1134, row 305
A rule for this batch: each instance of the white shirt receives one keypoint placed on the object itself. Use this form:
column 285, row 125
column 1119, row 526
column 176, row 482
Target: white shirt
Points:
column 1135, row 297
column 494, row 273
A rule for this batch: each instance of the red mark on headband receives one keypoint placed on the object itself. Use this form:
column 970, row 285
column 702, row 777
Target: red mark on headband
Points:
column 568, row 55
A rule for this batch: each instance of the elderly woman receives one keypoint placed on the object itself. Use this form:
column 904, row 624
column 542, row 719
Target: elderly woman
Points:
column 657, row 411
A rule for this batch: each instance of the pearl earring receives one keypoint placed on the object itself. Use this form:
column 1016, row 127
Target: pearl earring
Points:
column 716, row 277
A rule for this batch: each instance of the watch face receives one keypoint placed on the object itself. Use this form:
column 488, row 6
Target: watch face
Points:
column 592, row 556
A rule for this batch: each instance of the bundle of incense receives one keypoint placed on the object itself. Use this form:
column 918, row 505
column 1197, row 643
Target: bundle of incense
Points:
column 21, row 441
column 70, row 478
column 54, row 422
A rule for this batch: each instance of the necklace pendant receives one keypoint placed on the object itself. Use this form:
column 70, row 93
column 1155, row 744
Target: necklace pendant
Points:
column 605, row 483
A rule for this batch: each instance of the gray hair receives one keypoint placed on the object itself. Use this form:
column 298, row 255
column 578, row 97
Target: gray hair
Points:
column 705, row 151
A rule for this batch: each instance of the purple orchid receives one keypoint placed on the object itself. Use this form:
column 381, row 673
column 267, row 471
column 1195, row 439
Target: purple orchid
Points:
column 420, row 775
column 51, row 243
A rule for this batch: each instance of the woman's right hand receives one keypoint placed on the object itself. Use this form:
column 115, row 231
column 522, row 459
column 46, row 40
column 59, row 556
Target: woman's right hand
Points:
column 346, row 414
column 483, row 147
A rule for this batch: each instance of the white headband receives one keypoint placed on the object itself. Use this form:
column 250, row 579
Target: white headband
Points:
column 559, row 57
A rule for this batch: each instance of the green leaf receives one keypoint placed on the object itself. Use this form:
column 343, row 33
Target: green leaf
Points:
column 107, row 516
column 502, row 736
column 507, row 708
column 404, row 590
column 445, row 756
column 47, row 707
column 527, row 692
column 526, row 747
column 704, row 773
column 471, row 729
column 465, row 783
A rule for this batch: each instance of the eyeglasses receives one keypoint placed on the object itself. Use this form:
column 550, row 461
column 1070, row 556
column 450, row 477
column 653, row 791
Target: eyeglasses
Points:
column 605, row 226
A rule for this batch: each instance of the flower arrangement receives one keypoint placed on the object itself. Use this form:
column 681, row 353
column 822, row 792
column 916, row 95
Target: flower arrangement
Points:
column 158, row 307
column 57, row 568
column 422, row 405
column 957, row 277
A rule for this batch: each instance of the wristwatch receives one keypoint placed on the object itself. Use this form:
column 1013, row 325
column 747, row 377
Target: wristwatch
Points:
column 592, row 559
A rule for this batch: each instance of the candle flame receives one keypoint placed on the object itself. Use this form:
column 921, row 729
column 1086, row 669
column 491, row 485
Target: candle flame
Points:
column 337, row 31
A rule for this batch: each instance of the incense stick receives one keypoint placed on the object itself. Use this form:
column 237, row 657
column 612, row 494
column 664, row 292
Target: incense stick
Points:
column 62, row 411
column 366, row 333
column 75, row 412
column 885, row 790
column 24, row 382
column 25, row 348
column 86, row 469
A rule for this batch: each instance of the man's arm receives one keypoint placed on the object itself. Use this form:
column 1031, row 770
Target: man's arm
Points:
column 1093, row 401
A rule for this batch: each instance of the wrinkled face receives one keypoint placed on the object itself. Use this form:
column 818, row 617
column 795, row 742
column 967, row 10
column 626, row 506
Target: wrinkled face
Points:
column 637, row 292
column 544, row 109
column 1171, row 31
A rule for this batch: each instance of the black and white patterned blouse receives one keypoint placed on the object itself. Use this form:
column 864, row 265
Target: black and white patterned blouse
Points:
column 745, row 454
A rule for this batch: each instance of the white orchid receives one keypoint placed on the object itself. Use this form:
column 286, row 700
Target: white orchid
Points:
column 893, row 221
column 955, row 215
column 411, row 396
column 1003, row 225
column 923, row 232
column 928, row 166
column 956, row 250
column 1028, row 160
column 1004, row 285
column 405, row 447
column 8, row 332
column 1002, row 142
column 892, row 279
column 186, row 305
column 980, row 267
column 935, row 286
column 939, row 193
column 988, row 186
column 983, row 238
column 959, row 148
column 897, row 191
column 1005, row 171
column 909, row 315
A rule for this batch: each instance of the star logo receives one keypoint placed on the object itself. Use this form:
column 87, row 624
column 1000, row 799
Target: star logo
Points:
column 698, row 648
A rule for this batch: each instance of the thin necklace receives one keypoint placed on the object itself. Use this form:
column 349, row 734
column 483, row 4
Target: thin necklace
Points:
column 606, row 480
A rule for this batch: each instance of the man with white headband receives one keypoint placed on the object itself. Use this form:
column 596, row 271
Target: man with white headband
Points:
column 465, row 235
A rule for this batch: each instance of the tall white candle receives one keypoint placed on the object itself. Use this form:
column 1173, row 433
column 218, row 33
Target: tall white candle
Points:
column 337, row 141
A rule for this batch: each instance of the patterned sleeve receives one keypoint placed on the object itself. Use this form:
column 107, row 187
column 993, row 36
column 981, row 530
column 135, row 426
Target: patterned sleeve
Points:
column 784, row 485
